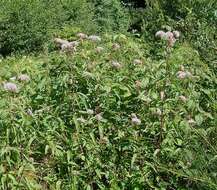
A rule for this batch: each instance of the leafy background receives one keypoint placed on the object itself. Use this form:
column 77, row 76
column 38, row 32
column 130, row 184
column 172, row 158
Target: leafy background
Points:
column 61, row 145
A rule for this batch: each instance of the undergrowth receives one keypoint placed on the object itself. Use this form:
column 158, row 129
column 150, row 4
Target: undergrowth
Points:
column 71, row 125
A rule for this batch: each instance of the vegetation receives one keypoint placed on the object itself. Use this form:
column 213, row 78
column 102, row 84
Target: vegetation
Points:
column 107, row 95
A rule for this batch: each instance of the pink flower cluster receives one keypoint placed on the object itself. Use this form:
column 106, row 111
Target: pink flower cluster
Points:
column 12, row 87
column 66, row 45
column 183, row 74
column 169, row 36
column 135, row 120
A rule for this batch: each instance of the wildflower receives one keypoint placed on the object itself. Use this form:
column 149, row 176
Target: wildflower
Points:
column 135, row 120
column 94, row 38
column 81, row 120
column 191, row 121
column 169, row 35
column 160, row 34
column 73, row 43
column 99, row 49
column 29, row 112
column 99, row 117
column 10, row 87
column 60, row 41
column 183, row 98
column 183, row 74
column 116, row 64
column 171, row 41
column 82, row 35
column 24, row 78
column 162, row 95
column 176, row 34
column 116, row 46
column 90, row 112
column 69, row 46
column 137, row 61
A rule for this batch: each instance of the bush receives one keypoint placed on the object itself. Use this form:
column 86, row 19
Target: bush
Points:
column 111, row 15
column 23, row 26
column 28, row 25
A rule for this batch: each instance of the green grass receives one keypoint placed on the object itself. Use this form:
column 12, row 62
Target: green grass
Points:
column 55, row 149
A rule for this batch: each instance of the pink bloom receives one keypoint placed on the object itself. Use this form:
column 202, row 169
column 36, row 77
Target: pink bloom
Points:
column 135, row 120
column 82, row 35
column 94, row 38
column 10, row 87
column 116, row 65
column 191, row 121
column 160, row 34
column 137, row 61
column 73, row 43
column 176, row 34
column 81, row 120
column 169, row 35
column 24, row 78
column 90, row 112
column 183, row 98
column 70, row 46
column 60, row 41
column 99, row 117
column 116, row 46
column 29, row 112
column 183, row 74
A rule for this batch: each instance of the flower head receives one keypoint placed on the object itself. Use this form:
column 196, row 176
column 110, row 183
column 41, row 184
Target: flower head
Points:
column 183, row 98
column 160, row 34
column 116, row 46
column 29, row 112
column 176, row 34
column 24, row 78
column 169, row 35
column 82, row 35
column 90, row 112
column 60, row 41
column 99, row 117
column 116, row 64
column 94, row 38
column 81, row 120
column 137, row 61
column 10, row 87
column 191, row 121
column 135, row 120
column 183, row 74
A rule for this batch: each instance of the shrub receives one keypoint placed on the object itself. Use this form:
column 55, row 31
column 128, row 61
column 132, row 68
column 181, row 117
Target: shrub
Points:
column 28, row 25
column 23, row 26
column 111, row 15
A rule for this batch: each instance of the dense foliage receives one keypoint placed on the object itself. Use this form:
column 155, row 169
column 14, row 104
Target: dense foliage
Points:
column 122, row 107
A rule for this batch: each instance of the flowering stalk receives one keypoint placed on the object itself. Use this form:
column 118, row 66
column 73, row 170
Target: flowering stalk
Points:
column 170, row 38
